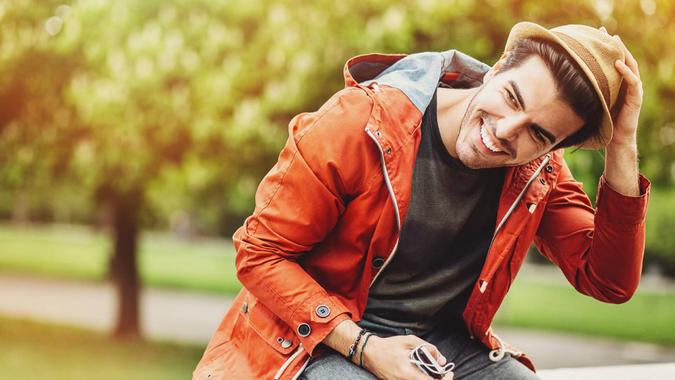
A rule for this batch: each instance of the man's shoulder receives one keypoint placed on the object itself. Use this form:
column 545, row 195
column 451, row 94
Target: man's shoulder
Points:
column 345, row 113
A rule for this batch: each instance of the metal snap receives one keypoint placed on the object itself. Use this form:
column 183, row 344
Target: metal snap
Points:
column 388, row 150
column 378, row 262
column 244, row 307
column 322, row 311
column 378, row 134
column 286, row 343
column 549, row 168
column 280, row 340
column 304, row 330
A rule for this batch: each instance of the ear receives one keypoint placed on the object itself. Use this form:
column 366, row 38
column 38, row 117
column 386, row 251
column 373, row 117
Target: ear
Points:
column 496, row 67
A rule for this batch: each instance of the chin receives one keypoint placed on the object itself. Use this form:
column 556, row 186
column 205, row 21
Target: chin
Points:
column 473, row 152
column 469, row 155
column 469, row 158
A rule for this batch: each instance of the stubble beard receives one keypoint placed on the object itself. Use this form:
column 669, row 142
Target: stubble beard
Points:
column 467, row 154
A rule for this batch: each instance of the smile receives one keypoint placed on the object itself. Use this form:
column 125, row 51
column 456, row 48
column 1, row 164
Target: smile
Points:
column 485, row 138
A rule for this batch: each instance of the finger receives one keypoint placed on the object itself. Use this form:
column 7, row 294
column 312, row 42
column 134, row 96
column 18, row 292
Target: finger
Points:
column 432, row 349
column 628, row 74
column 632, row 85
column 631, row 62
column 437, row 354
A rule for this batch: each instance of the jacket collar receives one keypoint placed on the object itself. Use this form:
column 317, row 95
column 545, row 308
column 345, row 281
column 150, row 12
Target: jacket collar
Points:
column 417, row 76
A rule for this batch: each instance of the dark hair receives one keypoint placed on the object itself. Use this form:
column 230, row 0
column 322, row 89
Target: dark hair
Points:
column 574, row 87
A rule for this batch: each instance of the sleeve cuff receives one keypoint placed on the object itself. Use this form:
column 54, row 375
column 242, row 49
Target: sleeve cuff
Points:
column 315, row 319
column 624, row 210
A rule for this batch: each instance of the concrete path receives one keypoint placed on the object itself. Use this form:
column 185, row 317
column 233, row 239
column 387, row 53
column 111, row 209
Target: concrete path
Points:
column 165, row 314
column 192, row 318
column 622, row 372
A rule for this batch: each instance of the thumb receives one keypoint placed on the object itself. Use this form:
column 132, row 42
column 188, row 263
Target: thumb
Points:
column 437, row 354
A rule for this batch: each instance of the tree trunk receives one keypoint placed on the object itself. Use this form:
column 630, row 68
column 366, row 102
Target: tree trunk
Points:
column 124, row 271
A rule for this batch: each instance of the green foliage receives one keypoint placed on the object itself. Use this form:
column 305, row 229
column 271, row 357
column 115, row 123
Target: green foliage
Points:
column 188, row 101
column 660, row 247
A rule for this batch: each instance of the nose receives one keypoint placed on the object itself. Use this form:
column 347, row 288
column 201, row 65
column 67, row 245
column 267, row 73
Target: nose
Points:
column 509, row 127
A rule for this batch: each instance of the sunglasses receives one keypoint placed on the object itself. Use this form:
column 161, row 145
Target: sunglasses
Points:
column 422, row 358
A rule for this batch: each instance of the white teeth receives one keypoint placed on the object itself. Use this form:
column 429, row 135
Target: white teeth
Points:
column 486, row 140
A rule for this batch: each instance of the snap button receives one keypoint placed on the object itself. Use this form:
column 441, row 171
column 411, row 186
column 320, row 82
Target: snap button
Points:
column 304, row 329
column 244, row 307
column 378, row 134
column 542, row 181
column 286, row 343
column 388, row 150
column 378, row 262
column 322, row 311
column 549, row 168
column 280, row 340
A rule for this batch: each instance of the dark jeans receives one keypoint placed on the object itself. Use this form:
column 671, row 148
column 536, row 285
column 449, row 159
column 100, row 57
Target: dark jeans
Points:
column 469, row 355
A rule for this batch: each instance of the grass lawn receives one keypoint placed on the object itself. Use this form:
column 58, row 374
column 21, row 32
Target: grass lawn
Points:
column 208, row 265
column 32, row 350
column 648, row 317
column 79, row 252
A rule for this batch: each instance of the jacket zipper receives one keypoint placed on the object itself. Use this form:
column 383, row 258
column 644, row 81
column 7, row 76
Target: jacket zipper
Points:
column 483, row 284
column 390, row 188
column 393, row 198
column 520, row 196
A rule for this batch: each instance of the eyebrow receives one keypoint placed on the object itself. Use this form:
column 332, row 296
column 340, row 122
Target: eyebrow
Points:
column 550, row 136
column 544, row 132
column 516, row 89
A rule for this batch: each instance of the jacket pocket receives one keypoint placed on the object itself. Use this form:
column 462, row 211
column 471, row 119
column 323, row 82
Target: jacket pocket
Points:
column 256, row 321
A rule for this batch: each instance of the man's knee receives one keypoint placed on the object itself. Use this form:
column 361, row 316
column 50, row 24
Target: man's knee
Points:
column 507, row 368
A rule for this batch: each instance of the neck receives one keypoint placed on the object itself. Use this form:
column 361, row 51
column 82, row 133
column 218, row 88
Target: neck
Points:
column 452, row 104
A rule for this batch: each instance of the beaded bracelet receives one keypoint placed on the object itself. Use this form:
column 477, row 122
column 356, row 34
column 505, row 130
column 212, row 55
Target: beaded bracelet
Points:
column 352, row 348
column 365, row 341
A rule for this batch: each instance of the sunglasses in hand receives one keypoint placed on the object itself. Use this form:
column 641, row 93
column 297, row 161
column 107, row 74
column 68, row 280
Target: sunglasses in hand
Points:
column 422, row 358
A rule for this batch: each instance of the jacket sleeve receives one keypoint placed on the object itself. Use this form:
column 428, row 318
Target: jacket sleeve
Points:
column 298, row 203
column 599, row 251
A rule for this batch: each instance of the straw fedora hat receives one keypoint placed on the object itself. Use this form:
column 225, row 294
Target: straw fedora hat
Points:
column 595, row 51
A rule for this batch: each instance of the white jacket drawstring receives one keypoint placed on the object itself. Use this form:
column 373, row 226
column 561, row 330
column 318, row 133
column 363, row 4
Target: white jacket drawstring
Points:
column 498, row 353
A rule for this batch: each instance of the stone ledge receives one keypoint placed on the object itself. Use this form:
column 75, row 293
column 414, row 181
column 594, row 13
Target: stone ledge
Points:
column 624, row 372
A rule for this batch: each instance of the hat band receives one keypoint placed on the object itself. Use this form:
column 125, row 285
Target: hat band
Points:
column 590, row 61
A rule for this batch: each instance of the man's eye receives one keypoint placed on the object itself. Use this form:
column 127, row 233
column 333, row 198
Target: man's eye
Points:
column 540, row 136
column 512, row 99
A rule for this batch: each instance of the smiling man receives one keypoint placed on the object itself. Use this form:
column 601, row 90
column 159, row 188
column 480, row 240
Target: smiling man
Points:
column 399, row 213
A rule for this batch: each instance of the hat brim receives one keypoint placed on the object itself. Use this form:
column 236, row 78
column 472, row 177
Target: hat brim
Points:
column 527, row 29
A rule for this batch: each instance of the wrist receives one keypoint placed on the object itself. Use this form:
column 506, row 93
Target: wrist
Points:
column 629, row 142
column 342, row 336
column 368, row 351
column 353, row 352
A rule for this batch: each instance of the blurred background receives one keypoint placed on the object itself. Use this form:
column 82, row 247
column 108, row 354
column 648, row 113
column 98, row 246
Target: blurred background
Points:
column 133, row 135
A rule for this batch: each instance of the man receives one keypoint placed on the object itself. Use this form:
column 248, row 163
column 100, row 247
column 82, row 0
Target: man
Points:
column 406, row 204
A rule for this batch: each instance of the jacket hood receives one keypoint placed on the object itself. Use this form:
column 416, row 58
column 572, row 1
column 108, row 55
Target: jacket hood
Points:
column 416, row 75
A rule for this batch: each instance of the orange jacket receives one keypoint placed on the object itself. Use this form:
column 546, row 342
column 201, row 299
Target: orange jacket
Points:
column 328, row 215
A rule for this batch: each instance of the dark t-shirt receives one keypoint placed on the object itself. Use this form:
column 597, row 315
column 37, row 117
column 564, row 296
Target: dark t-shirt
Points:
column 444, row 240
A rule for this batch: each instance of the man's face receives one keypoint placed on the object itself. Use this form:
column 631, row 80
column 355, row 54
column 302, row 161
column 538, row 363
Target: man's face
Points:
column 514, row 118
